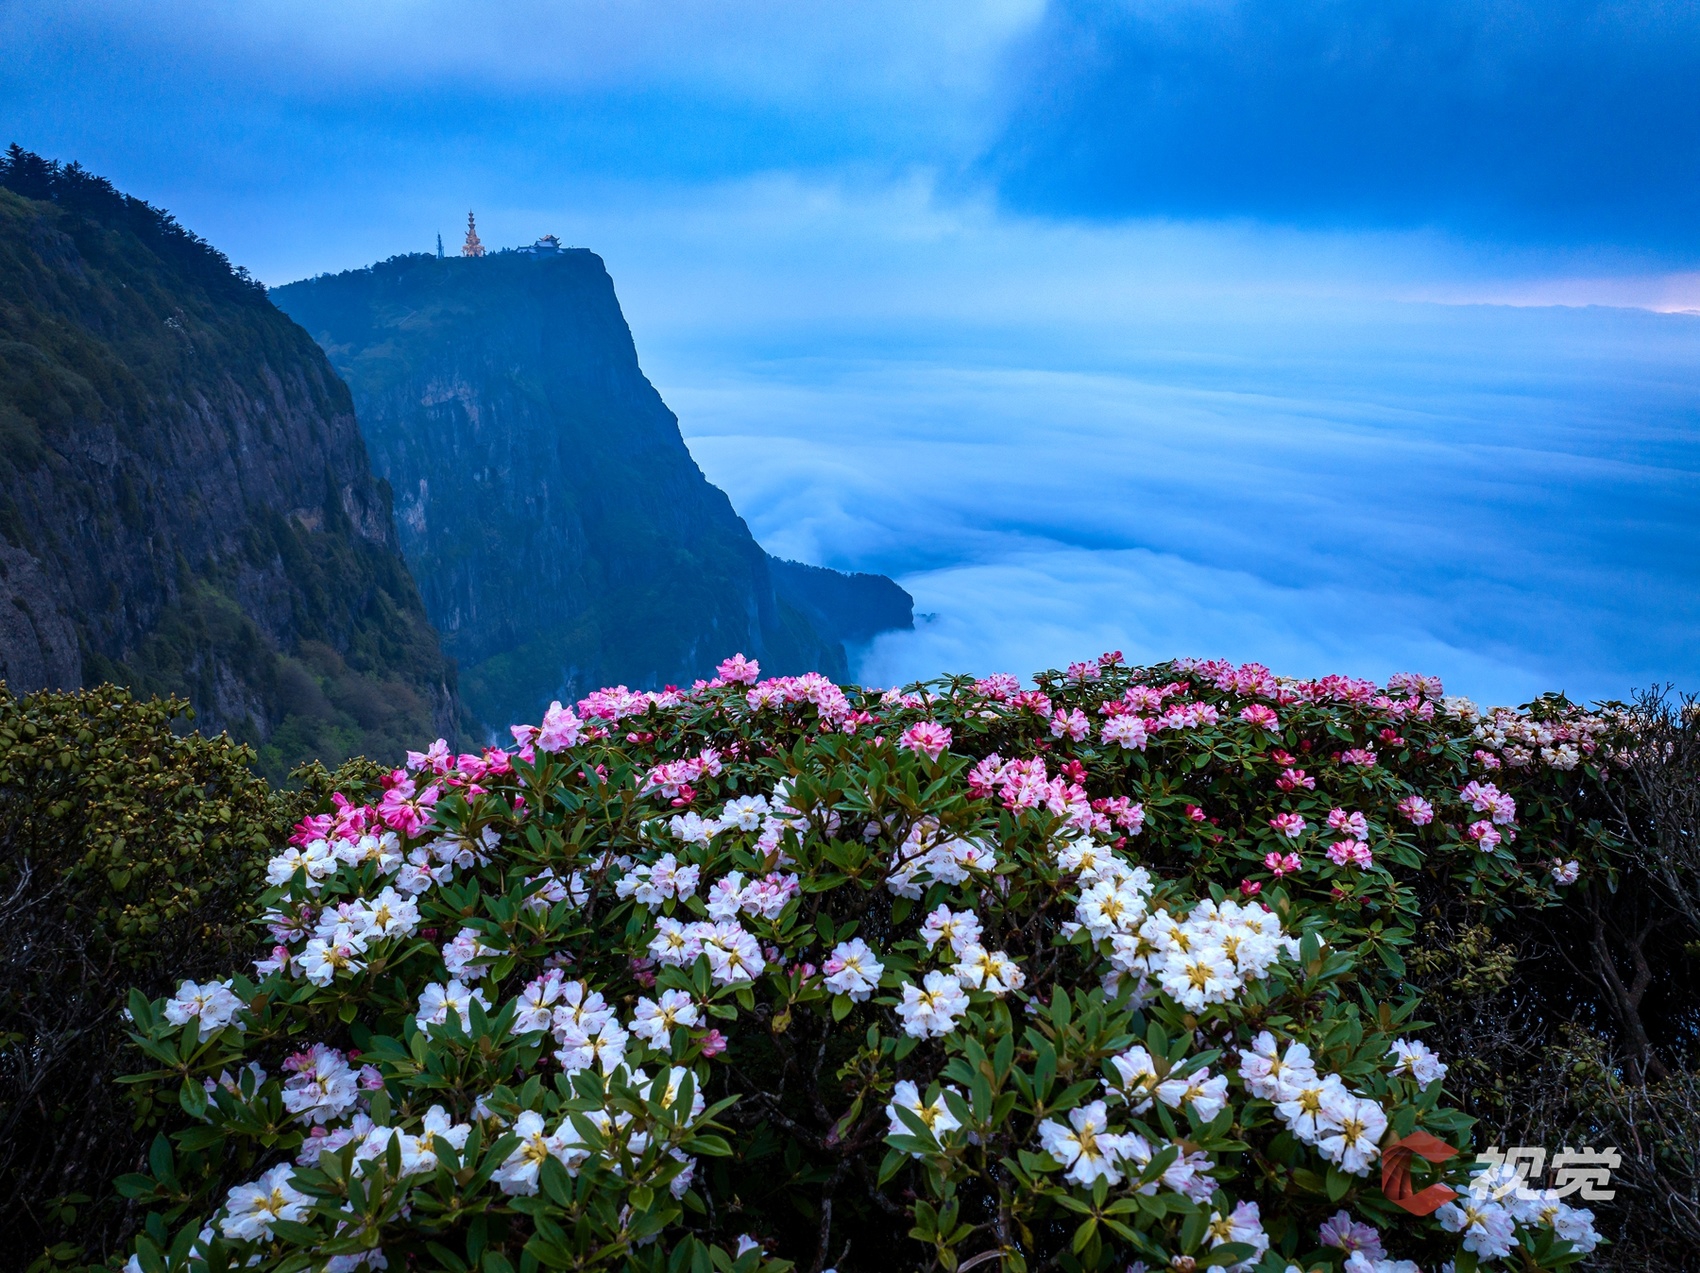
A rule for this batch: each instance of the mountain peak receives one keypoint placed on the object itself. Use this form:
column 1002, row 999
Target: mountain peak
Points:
column 561, row 533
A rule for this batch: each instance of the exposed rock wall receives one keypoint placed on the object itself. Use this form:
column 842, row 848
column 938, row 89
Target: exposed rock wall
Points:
column 562, row 535
column 186, row 503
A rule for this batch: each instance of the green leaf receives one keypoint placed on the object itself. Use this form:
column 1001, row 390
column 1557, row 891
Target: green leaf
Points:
column 1338, row 1184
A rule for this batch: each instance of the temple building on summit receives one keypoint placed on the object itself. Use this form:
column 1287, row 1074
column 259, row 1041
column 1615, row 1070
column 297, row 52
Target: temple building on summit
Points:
column 546, row 245
column 472, row 246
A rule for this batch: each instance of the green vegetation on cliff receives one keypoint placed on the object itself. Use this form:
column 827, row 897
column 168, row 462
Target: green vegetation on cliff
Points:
column 186, row 505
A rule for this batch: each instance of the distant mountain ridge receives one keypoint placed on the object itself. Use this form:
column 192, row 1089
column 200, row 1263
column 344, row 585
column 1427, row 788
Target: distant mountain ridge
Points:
column 186, row 504
column 561, row 534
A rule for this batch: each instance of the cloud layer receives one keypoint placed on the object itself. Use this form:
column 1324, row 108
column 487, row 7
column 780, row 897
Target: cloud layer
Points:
column 1566, row 120
column 1506, row 497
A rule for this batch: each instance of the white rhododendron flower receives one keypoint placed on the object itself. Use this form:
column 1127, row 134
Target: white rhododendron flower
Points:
column 251, row 1210
column 1136, row 1077
column 521, row 1171
column 440, row 999
column 935, row 1117
column 1354, row 1139
column 733, row 955
column 852, row 969
column 1414, row 1060
column 1203, row 1094
column 537, row 1002
column 467, row 952
column 1266, row 1072
column 990, row 970
column 321, row 1086
column 654, row 1020
column 958, row 929
column 746, row 813
column 1084, row 1146
column 659, row 882
column 438, row 1133
column 212, row 1006
column 1108, row 906
column 1487, row 1227
column 932, row 1008
column 1242, row 1224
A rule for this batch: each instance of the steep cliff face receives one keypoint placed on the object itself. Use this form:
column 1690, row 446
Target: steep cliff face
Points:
column 562, row 536
column 185, row 500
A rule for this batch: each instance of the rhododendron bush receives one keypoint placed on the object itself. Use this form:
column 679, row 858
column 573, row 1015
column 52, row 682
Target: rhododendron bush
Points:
column 1102, row 973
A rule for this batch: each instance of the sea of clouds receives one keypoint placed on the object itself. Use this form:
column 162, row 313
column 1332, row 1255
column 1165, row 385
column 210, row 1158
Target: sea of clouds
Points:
column 1182, row 441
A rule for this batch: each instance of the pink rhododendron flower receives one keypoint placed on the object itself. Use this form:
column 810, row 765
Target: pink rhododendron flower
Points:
column 1187, row 716
column 1350, row 853
column 1485, row 835
column 1486, row 759
column 1360, row 756
column 1416, row 685
column 404, row 810
column 1350, row 1235
column 1123, row 812
column 1282, row 864
column 1341, row 689
column 1035, row 701
column 316, row 826
column 1261, row 716
column 674, row 778
column 1353, row 824
column 1293, row 779
column 1483, row 797
column 1074, row 724
column 1291, row 825
column 435, row 758
column 561, row 729
column 1147, row 698
column 927, row 738
column 1126, row 731
column 1417, row 811
column 738, row 670
column 811, row 688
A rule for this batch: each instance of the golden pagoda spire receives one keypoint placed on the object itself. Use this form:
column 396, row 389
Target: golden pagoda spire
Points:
column 472, row 247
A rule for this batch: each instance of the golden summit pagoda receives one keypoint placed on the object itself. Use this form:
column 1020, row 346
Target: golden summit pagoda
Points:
column 472, row 247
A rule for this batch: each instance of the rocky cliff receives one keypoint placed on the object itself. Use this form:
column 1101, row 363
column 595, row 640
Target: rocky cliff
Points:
column 186, row 504
column 561, row 534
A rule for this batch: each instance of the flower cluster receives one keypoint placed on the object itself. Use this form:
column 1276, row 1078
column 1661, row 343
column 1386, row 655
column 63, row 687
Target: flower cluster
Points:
column 1099, row 973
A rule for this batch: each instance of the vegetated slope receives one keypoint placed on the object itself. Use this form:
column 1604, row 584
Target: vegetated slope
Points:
column 562, row 536
column 186, row 505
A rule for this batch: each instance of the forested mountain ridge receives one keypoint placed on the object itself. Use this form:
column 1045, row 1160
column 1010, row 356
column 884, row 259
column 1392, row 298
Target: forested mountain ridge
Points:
column 561, row 534
column 186, row 504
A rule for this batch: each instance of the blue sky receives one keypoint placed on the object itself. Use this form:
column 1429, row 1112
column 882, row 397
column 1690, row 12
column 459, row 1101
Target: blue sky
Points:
column 1347, row 336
